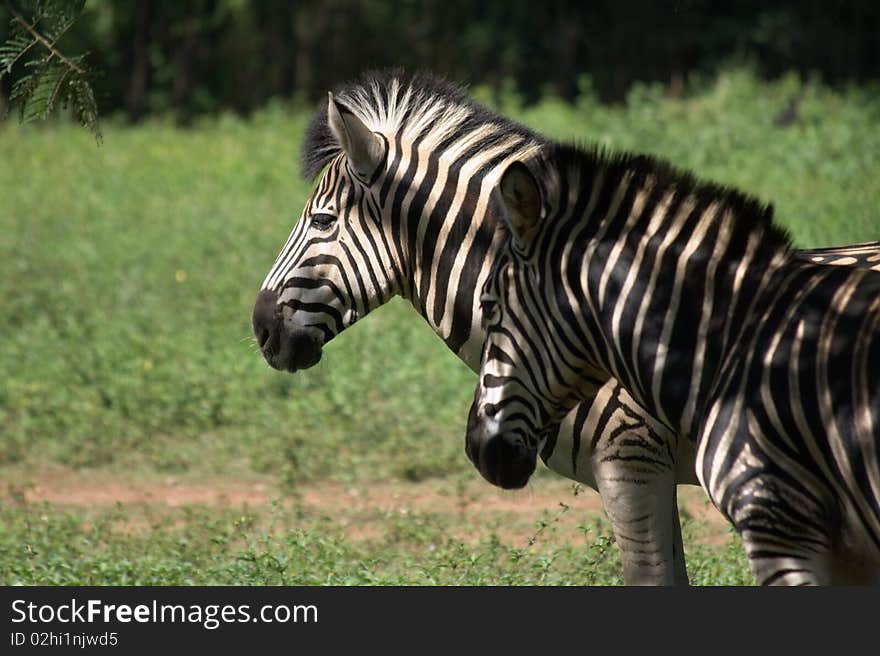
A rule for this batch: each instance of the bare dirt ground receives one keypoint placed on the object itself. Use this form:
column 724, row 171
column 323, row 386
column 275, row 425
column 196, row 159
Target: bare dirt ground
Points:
column 359, row 510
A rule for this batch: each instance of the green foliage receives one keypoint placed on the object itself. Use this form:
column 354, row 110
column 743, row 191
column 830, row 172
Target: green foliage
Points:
column 49, row 80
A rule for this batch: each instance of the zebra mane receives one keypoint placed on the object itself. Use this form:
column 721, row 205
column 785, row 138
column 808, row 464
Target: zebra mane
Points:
column 750, row 212
column 395, row 103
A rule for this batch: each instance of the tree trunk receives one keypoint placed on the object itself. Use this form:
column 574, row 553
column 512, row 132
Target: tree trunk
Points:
column 140, row 66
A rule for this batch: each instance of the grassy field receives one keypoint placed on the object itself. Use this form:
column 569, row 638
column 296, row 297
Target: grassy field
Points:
column 127, row 372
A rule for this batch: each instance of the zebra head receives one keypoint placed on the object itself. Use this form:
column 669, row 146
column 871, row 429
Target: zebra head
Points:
column 308, row 297
column 529, row 378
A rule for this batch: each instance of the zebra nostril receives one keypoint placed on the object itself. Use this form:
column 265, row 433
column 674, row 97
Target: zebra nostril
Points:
column 264, row 320
column 263, row 337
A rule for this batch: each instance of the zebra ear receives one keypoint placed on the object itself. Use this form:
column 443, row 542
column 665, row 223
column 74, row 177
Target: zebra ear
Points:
column 364, row 149
column 521, row 198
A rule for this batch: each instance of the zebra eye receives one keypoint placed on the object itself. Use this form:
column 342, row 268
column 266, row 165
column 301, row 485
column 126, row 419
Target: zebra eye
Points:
column 323, row 221
column 488, row 310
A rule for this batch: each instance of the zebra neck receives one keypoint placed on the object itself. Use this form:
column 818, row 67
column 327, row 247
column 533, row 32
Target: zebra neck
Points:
column 670, row 282
column 448, row 231
column 443, row 284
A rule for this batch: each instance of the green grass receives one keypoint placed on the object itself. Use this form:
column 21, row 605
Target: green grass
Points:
column 129, row 274
column 41, row 545
column 287, row 543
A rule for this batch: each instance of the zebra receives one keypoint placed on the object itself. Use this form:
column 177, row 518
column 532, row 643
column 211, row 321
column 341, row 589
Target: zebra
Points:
column 405, row 207
column 689, row 295
column 865, row 255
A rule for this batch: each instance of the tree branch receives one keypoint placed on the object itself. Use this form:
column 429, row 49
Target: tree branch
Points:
column 39, row 37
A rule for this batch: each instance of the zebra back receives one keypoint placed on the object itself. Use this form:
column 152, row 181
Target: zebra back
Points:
column 865, row 255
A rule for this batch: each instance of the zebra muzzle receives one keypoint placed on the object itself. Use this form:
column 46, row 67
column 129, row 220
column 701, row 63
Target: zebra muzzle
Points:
column 502, row 458
column 300, row 349
column 284, row 348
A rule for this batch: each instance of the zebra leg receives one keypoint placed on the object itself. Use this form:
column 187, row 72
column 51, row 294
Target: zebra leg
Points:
column 787, row 564
column 681, row 575
column 784, row 520
column 634, row 465
column 644, row 517
column 610, row 444
column 782, row 548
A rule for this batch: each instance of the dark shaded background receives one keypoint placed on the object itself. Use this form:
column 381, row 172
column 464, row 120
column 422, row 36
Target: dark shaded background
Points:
column 202, row 56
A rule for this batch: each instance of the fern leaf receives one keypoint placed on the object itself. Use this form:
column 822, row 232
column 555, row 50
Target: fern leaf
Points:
column 85, row 109
column 13, row 50
column 22, row 89
column 49, row 79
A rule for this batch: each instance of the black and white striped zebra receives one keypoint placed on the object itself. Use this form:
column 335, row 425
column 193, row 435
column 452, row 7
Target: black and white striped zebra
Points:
column 405, row 207
column 689, row 295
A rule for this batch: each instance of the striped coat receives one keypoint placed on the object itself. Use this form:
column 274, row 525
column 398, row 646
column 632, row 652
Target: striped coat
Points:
column 689, row 296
